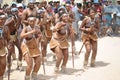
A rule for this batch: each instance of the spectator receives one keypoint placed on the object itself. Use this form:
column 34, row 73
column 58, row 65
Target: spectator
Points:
column 78, row 17
column 117, row 17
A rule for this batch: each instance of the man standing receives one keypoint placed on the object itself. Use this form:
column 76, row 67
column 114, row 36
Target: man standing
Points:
column 78, row 16
column 31, row 10
column 47, row 32
column 13, row 23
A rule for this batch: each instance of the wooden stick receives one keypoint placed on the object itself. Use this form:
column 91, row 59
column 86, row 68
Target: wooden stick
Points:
column 73, row 55
column 82, row 47
column 73, row 48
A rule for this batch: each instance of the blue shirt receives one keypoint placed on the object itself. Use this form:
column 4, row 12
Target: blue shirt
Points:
column 78, row 15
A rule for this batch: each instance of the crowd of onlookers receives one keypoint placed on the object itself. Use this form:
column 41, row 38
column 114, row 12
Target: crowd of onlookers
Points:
column 109, row 20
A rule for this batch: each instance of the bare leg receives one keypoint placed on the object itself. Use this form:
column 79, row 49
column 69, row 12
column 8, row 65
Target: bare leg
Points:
column 29, row 62
column 94, row 53
column 13, row 53
column 37, row 61
column 2, row 66
column 65, row 59
column 17, row 43
column 44, row 49
column 87, row 54
column 10, row 50
column 59, row 55
column 19, row 63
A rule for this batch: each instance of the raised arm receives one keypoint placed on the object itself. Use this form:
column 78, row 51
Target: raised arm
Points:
column 24, row 17
column 82, row 26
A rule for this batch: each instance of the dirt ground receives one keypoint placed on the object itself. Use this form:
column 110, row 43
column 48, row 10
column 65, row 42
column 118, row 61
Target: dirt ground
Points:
column 107, row 64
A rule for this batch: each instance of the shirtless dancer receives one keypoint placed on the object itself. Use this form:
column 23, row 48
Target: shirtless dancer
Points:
column 47, row 32
column 89, row 27
column 70, row 21
column 4, row 38
column 13, row 23
column 30, row 48
column 31, row 10
column 59, row 43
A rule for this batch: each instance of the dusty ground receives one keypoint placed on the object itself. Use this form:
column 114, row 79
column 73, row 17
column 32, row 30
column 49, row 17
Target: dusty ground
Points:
column 107, row 64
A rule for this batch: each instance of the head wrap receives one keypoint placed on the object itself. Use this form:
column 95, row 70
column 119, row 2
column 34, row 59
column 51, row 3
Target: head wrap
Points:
column 14, row 9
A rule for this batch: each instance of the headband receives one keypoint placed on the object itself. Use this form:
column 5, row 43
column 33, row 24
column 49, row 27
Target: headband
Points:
column 14, row 9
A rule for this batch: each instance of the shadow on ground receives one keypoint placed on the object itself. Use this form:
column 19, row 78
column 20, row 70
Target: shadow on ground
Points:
column 47, row 77
column 70, row 71
column 76, row 55
column 101, row 64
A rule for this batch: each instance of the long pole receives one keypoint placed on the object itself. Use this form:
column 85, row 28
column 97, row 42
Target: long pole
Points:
column 82, row 47
column 73, row 54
